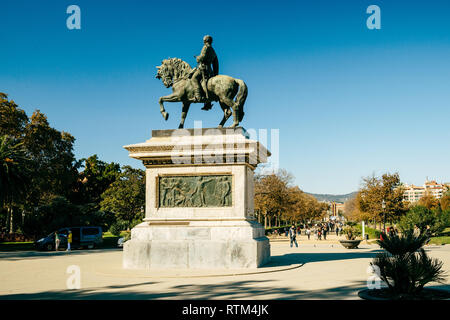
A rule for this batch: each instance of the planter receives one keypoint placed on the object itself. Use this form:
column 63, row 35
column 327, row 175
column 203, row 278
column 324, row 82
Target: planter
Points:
column 350, row 244
column 385, row 294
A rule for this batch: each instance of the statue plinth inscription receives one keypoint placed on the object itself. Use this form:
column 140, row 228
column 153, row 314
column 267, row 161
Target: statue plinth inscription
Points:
column 199, row 211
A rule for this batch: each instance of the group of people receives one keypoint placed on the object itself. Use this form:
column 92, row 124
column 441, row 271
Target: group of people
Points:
column 58, row 240
column 319, row 230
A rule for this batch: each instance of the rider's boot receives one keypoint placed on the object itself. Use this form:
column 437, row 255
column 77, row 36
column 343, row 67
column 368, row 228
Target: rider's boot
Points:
column 207, row 106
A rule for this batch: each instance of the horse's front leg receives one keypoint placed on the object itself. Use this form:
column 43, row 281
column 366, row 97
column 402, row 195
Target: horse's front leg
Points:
column 184, row 113
column 170, row 98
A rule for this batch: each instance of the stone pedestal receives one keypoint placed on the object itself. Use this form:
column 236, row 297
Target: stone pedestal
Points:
column 199, row 202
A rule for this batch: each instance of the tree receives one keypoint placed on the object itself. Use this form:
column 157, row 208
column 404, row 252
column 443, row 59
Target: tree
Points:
column 14, row 175
column 276, row 199
column 12, row 119
column 56, row 213
column 54, row 164
column 35, row 154
column 375, row 190
column 125, row 197
column 445, row 201
column 428, row 200
column 96, row 177
column 272, row 196
column 297, row 205
column 422, row 217
column 352, row 211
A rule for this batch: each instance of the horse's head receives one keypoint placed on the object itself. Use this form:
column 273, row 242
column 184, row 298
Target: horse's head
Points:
column 171, row 70
column 164, row 74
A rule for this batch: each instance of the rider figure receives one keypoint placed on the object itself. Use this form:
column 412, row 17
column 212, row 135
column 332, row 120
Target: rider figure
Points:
column 208, row 67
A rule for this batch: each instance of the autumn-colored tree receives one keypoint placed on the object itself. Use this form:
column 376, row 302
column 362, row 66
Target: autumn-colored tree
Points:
column 428, row 200
column 272, row 196
column 277, row 200
column 374, row 191
column 353, row 210
column 445, row 201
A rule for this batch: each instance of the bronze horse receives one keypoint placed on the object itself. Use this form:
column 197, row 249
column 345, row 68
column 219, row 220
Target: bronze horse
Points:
column 175, row 73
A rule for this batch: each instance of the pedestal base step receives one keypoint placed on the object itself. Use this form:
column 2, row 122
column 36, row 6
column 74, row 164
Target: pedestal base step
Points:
column 196, row 254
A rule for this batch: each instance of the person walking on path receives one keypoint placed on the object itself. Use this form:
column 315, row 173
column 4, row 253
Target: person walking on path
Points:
column 325, row 230
column 308, row 232
column 57, row 241
column 69, row 240
column 293, row 235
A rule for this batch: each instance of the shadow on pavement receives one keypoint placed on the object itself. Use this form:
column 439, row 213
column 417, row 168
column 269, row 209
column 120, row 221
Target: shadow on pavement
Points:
column 19, row 255
column 251, row 289
column 303, row 258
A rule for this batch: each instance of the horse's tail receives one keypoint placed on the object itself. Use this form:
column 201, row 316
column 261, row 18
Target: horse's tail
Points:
column 240, row 99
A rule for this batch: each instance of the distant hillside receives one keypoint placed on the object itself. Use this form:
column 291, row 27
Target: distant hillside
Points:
column 333, row 197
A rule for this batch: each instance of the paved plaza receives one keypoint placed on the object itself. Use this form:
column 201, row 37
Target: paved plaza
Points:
column 314, row 270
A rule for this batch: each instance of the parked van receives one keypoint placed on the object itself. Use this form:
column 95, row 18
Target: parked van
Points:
column 82, row 237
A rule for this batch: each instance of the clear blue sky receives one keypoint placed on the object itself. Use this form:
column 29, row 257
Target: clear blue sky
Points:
column 348, row 101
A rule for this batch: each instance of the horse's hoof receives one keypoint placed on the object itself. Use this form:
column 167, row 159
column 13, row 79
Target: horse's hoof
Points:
column 220, row 126
column 180, row 126
column 234, row 125
column 166, row 116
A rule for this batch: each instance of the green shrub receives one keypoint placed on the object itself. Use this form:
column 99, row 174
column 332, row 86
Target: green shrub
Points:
column 372, row 233
column 351, row 232
column 422, row 217
column 404, row 266
column 116, row 229
column 408, row 242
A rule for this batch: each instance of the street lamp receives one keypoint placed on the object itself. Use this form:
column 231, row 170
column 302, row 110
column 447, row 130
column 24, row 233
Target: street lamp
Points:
column 383, row 206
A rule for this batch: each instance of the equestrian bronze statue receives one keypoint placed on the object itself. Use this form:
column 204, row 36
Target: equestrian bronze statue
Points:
column 186, row 82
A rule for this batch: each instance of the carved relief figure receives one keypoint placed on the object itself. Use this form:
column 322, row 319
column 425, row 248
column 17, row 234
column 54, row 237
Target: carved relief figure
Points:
column 195, row 191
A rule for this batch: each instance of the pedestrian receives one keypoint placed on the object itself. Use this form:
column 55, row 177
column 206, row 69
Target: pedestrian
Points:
column 428, row 234
column 391, row 232
column 308, row 232
column 325, row 233
column 416, row 231
column 69, row 240
column 293, row 235
column 57, row 241
column 319, row 233
column 337, row 230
